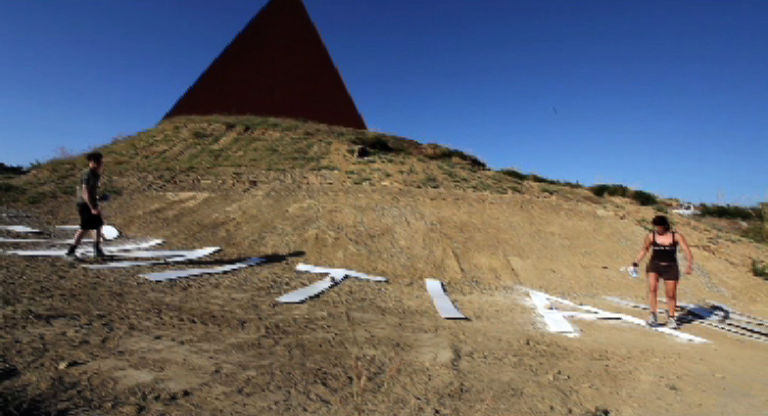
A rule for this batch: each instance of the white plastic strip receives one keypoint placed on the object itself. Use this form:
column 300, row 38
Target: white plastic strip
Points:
column 338, row 272
column 631, row 319
column 68, row 227
column 191, row 255
column 31, row 240
column 178, row 274
column 443, row 303
column 87, row 250
column 42, row 240
column 336, row 276
column 19, row 228
column 613, row 316
column 590, row 316
column 555, row 321
column 158, row 254
column 307, row 292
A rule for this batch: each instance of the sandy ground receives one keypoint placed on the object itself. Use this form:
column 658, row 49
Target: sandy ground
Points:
column 118, row 344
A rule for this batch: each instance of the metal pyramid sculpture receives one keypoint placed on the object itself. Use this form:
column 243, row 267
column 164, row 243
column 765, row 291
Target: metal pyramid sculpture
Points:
column 276, row 66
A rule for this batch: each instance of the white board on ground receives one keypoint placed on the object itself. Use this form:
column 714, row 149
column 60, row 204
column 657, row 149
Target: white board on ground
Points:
column 68, row 227
column 189, row 255
column 43, row 240
column 18, row 229
column 307, row 292
column 336, row 276
column 160, row 254
column 87, row 250
column 178, row 274
column 338, row 272
column 623, row 318
column 28, row 240
column 554, row 320
column 443, row 303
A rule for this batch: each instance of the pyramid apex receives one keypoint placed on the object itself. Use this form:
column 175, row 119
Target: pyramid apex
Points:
column 276, row 66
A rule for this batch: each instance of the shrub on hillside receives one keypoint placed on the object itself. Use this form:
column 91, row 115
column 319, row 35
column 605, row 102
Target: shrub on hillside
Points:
column 512, row 173
column 644, row 198
column 730, row 211
column 379, row 143
column 641, row 197
column 757, row 232
column 516, row 174
column 612, row 190
column 760, row 269
column 10, row 192
column 434, row 151
column 11, row 170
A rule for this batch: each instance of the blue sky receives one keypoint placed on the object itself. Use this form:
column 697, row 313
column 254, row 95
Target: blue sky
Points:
column 666, row 96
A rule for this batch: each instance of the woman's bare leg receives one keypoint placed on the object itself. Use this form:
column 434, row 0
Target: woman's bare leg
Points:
column 671, row 292
column 653, row 289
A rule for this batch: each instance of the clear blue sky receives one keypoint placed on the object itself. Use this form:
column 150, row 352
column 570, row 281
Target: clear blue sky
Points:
column 666, row 96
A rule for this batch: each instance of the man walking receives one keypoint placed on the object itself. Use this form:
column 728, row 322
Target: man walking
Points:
column 88, row 205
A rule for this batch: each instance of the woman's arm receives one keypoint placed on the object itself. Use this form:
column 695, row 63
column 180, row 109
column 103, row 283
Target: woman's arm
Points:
column 644, row 251
column 688, row 254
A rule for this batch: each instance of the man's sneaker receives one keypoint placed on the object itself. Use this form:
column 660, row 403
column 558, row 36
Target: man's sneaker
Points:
column 672, row 323
column 71, row 252
column 653, row 321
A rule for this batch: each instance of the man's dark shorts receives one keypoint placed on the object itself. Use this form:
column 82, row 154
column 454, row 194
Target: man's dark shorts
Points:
column 88, row 221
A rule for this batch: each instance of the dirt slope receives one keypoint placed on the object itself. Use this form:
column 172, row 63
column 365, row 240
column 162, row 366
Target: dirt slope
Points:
column 222, row 345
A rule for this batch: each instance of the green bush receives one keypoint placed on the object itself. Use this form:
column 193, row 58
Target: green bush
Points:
column 732, row 212
column 541, row 179
column 760, row 269
column 10, row 192
column 11, row 170
column 757, row 232
column 612, row 190
column 515, row 174
column 641, row 197
column 644, row 198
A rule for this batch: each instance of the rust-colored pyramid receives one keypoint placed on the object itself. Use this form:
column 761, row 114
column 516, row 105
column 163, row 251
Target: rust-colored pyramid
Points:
column 276, row 66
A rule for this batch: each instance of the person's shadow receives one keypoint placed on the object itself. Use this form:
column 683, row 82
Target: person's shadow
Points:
column 265, row 259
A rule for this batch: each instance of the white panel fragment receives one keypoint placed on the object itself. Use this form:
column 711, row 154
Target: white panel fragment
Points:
column 189, row 255
column 29, row 240
column 87, row 249
column 19, row 228
column 336, row 276
column 625, row 318
column 315, row 289
column 177, row 274
column 43, row 240
column 68, row 227
column 158, row 254
column 443, row 303
column 337, row 272
column 553, row 318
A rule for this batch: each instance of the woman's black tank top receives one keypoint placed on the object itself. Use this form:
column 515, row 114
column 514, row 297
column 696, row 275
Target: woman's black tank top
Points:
column 662, row 253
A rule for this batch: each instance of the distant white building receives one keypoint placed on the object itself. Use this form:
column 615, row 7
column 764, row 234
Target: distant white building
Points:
column 686, row 209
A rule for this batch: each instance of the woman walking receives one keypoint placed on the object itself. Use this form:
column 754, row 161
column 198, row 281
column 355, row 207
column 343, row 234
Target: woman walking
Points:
column 663, row 264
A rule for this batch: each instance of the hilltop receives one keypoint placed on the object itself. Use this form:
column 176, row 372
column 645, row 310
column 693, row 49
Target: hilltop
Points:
column 377, row 204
